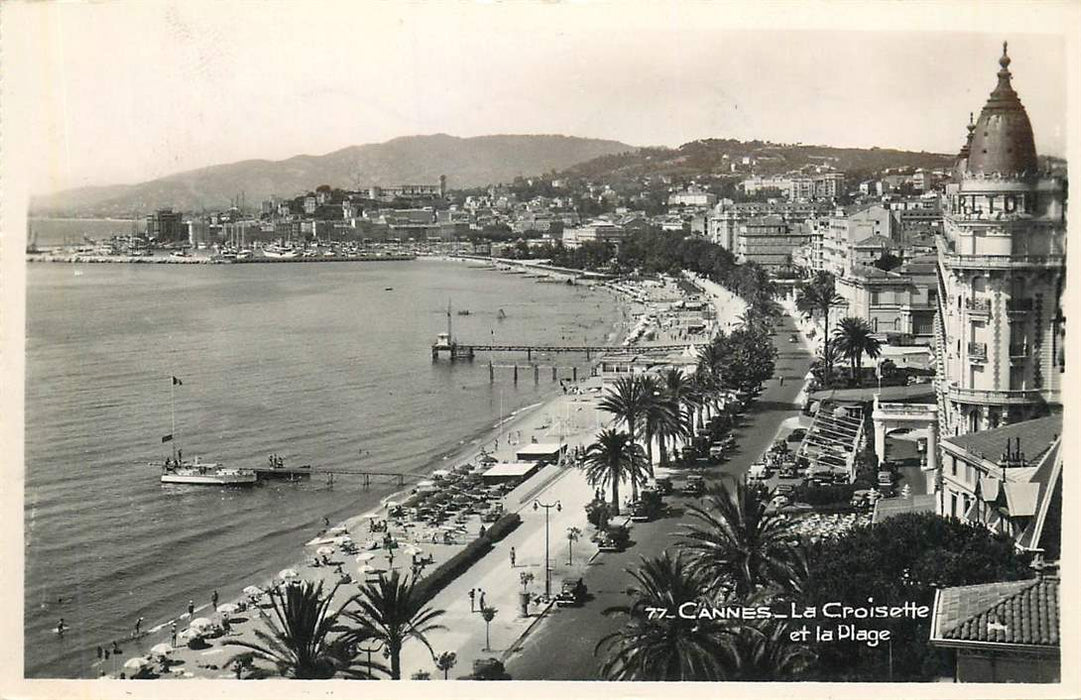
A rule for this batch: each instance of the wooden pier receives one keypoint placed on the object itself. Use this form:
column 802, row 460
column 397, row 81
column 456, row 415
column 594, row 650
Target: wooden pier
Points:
column 467, row 351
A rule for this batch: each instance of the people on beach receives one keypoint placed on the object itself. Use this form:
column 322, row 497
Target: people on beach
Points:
column 214, row 599
column 512, row 557
column 173, row 640
column 191, row 608
column 116, row 648
column 138, row 627
column 60, row 626
column 100, row 650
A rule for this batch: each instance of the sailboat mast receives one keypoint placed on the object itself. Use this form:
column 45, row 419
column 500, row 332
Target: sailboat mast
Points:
column 172, row 411
column 450, row 338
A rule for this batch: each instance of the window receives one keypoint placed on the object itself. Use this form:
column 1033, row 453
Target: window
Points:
column 953, row 466
column 953, row 505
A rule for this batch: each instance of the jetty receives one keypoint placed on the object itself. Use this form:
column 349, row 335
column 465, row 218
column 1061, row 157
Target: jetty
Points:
column 467, row 351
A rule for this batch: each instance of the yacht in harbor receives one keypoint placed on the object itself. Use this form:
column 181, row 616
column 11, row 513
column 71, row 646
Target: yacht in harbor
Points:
column 276, row 250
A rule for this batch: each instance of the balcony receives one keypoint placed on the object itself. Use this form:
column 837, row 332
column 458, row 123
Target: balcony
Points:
column 957, row 260
column 994, row 397
column 977, row 352
column 978, row 307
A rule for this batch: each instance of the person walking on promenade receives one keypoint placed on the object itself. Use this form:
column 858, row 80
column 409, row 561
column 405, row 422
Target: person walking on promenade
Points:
column 512, row 557
column 214, row 599
column 191, row 608
column 472, row 599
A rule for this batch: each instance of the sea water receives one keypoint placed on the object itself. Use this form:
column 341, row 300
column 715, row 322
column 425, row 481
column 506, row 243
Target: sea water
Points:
column 326, row 364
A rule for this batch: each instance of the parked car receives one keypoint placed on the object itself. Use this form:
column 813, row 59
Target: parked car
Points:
column 664, row 485
column 695, row 485
column 785, row 489
column 572, row 591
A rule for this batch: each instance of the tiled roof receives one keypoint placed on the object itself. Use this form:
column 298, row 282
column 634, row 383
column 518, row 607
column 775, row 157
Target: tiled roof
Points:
column 1036, row 436
column 1013, row 612
column 888, row 507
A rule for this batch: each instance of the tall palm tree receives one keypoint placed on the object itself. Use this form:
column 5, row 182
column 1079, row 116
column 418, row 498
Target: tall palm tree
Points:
column 818, row 296
column 681, row 396
column 392, row 611
column 733, row 538
column 658, row 648
column 661, row 417
column 627, row 400
column 854, row 339
column 611, row 459
column 302, row 642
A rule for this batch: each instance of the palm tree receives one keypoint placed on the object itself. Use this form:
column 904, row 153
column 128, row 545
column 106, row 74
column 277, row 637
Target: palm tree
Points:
column 627, row 400
column 818, row 296
column 681, row 396
column 652, row 647
column 737, row 541
column 300, row 643
column 659, row 416
column 611, row 459
column 392, row 611
column 764, row 651
column 853, row 336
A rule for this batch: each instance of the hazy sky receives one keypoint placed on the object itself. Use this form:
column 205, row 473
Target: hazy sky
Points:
column 124, row 92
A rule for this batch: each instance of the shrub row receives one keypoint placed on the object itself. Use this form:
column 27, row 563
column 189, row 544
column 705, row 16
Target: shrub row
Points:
column 457, row 565
column 503, row 527
column 454, row 567
column 824, row 495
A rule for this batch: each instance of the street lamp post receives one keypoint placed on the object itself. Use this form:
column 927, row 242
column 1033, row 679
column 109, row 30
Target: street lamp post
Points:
column 547, row 570
column 369, row 650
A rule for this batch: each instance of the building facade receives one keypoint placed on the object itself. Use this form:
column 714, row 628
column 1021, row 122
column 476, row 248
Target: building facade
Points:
column 769, row 241
column 1001, row 270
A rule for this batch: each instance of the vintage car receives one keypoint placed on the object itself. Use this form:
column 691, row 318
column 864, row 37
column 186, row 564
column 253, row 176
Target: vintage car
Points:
column 572, row 592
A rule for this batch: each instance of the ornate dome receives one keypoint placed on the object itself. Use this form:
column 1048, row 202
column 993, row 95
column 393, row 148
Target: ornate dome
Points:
column 1002, row 142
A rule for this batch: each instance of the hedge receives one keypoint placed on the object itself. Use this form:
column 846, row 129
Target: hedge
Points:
column 454, row 567
column 457, row 565
column 503, row 527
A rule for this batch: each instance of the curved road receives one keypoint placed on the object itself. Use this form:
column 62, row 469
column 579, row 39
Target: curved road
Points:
column 561, row 646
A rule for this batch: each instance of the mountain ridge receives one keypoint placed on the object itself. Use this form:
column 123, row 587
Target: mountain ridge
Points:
column 466, row 161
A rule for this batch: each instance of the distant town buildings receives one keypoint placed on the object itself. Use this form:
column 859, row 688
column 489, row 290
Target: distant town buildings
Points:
column 769, row 241
column 166, row 226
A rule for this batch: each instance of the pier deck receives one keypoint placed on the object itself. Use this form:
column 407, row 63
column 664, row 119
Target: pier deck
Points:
column 459, row 351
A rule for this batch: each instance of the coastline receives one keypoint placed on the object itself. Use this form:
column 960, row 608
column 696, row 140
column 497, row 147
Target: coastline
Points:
column 467, row 449
column 534, row 421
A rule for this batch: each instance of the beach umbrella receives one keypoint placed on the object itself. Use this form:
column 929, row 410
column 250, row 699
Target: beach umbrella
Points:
column 253, row 591
column 162, row 649
column 227, row 608
column 137, row 663
column 287, row 573
column 325, row 551
column 365, row 556
column 412, row 549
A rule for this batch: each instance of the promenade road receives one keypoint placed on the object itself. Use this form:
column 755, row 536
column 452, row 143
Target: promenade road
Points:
column 561, row 646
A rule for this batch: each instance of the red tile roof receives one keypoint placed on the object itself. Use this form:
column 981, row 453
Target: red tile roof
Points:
column 1013, row 612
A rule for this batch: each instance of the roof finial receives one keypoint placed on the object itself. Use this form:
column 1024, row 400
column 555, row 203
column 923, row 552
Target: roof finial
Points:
column 1005, row 60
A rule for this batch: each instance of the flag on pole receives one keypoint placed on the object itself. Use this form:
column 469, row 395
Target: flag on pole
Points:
column 166, row 438
column 177, row 382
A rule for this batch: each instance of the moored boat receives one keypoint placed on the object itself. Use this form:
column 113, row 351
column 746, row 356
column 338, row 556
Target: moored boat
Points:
column 204, row 474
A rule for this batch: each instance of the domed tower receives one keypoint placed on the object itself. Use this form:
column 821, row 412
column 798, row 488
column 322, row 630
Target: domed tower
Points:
column 1001, row 269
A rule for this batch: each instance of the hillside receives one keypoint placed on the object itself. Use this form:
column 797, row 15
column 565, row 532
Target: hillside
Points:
column 715, row 156
column 467, row 162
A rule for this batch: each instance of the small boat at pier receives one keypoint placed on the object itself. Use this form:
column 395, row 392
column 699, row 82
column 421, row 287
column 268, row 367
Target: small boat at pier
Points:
column 204, row 474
